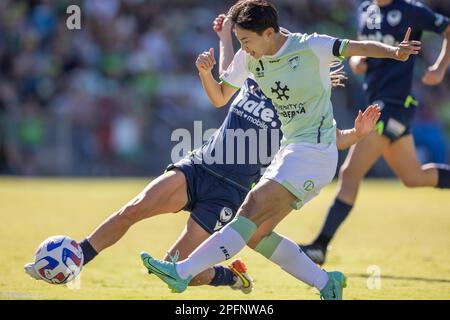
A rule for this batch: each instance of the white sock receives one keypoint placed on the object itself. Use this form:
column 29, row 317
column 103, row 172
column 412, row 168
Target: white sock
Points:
column 218, row 247
column 291, row 259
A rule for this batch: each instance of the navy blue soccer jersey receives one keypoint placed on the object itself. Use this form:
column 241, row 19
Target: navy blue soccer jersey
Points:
column 388, row 79
column 247, row 139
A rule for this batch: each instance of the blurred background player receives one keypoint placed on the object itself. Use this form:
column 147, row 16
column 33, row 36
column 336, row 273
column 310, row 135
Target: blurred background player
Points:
column 388, row 83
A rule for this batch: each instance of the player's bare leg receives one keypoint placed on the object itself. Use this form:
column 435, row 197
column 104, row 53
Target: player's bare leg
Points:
column 265, row 229
column 401, row 157
column 191, row 237
column 165, row 194
column 360, row 159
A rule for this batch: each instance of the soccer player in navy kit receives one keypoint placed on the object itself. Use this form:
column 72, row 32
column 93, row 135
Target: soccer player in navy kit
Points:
column 206, row 184
column 388, row 83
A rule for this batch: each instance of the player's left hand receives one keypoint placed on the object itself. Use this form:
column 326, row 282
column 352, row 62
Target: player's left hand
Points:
column 365, row 121
column 407, row 48
column 433, row 76
column 222, row 25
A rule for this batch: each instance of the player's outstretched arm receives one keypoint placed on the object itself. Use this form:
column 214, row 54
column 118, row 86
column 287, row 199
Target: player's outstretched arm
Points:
column 364, row 124
column 374, row 49
column 218, row 93
column 222, row 25
column 436, row 73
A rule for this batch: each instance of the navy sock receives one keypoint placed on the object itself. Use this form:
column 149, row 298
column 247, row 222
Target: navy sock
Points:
column 222, row 277
column 336, row 215
column 323, row 241
column 89, row 252
column 443, row 177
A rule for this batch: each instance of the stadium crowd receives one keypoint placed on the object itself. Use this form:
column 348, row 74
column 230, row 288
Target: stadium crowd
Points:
column 104, row 100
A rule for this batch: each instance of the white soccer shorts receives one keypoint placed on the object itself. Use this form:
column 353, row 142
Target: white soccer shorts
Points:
column 303, row 169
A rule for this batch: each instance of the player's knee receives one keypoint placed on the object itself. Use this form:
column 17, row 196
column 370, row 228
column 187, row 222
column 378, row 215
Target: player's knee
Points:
column 248, row 206
column 254, row 207
column 345, row 172
column 348, row 176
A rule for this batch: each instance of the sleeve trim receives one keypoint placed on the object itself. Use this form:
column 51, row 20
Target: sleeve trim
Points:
column 343, row 46
column 339, row 47
column 336, row 47
column 229, row 84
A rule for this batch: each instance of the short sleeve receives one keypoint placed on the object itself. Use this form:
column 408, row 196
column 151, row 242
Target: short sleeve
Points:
column 428, row 20
column 237, row 71
column 325, row 47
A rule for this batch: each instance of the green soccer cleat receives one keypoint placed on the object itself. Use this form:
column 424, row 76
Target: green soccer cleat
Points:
column 334, row 287
column 166, row 271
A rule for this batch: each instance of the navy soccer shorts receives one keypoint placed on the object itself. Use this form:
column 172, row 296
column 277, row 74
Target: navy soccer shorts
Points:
column 212, row 201
column 396, row 118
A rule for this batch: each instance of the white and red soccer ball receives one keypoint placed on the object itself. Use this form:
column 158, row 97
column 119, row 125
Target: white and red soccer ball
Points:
column 58, row 259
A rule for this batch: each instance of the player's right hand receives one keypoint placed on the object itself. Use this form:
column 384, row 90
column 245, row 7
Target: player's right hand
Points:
column 365, row 121
column 222, row 25
column 358, row 64
column 407, row 48
column 205, row 61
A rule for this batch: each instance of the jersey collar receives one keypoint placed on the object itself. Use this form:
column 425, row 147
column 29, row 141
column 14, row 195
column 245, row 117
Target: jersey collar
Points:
column 283, row 47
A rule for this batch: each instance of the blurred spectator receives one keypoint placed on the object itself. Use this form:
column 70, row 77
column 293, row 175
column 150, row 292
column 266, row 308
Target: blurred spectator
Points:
column 105, row 99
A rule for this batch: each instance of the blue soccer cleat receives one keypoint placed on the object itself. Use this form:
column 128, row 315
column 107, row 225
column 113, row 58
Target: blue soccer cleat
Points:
column 166, row 271
column 334, row 287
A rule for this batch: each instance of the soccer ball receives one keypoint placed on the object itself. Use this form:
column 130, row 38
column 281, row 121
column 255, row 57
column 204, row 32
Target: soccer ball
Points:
column 58, row 259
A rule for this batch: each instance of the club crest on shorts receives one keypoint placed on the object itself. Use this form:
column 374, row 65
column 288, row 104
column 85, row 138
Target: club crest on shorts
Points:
column 294, row 62
column 226, row 214
column 308, row 185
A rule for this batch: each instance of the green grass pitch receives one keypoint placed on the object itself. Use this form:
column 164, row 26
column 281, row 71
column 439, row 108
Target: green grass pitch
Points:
column 395, row 245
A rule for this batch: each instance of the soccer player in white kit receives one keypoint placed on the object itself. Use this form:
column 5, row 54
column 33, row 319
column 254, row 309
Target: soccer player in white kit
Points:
column 292, row 69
